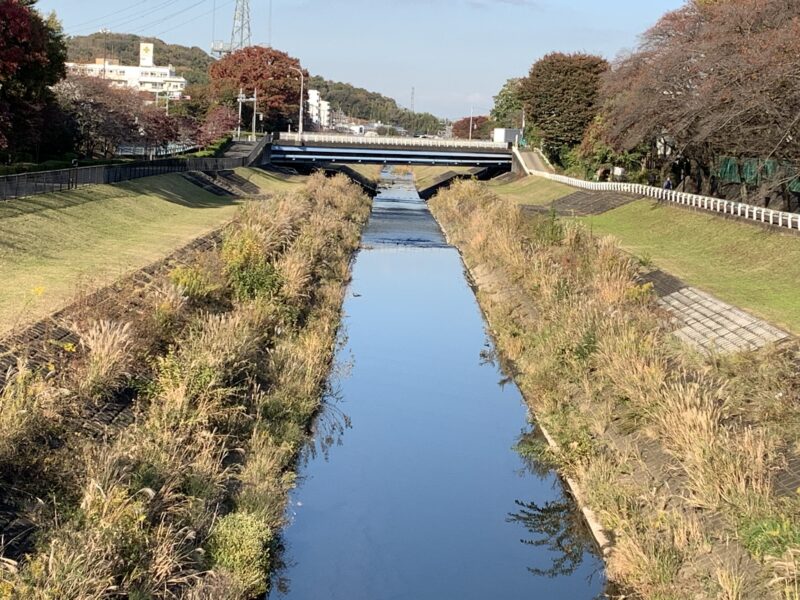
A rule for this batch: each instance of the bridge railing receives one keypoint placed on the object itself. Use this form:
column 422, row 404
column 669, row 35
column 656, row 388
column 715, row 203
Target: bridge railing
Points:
column 363, row 140
column 759, row 214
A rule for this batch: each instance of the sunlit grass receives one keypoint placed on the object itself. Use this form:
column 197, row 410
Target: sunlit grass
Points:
column 54, row 243
column 533, row 191
column 742, row 264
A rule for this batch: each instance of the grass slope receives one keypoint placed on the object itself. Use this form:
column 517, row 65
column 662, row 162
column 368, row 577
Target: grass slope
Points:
column 742, row 264
column 534, row 191
column 271, row 182
column 50, row 245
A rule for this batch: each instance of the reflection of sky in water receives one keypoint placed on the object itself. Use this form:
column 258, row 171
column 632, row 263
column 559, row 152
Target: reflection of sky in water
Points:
column 425, row 497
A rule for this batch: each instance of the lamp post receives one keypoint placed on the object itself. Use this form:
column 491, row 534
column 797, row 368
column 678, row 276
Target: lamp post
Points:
column 302, row 92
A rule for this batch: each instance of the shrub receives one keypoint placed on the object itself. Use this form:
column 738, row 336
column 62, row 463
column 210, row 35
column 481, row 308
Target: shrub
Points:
column 26, row 403
column 195, row 282
column 246, row 266
column 240, row 545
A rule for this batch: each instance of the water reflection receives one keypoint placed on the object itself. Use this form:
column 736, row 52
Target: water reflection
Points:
column 415, row 497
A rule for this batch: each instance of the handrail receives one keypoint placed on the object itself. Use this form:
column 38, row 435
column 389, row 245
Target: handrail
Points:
column 389, row 141
column 759, row 214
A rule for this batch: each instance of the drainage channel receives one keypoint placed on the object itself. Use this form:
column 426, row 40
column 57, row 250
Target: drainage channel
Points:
column 415, row 487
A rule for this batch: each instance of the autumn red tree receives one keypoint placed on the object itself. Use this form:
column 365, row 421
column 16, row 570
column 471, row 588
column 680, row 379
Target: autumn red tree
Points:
column 219, row 122
column 32, row 55
column 267, row 70
column 481, row 128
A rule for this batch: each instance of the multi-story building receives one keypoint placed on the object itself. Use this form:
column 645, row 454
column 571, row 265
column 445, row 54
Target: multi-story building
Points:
column 160, row 81
column 319, row 110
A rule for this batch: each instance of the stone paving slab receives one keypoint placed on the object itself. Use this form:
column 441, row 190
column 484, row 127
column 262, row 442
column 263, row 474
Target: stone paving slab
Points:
column 707, row 323
column 583, row 204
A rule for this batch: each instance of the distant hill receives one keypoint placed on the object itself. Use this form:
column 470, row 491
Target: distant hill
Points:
column 191, row 63
column 363, row 104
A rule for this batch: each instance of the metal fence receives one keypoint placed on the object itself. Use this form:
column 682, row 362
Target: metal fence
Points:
column 43, row 182
column 759, row 214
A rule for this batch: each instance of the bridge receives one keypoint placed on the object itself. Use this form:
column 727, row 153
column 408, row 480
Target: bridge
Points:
column 309, row 150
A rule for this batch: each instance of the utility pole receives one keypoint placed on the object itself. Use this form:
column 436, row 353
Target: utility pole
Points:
column 255, row 110
column 413, row 93
column 105, row 33
column 240, row 99
column 471, row 113
column 302, row 100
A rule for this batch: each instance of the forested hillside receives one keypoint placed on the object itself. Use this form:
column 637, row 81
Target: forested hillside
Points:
column 191, row 63
column 363, row 104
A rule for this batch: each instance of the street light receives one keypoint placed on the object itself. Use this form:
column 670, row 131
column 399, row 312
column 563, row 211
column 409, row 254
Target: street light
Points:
column 302, row 92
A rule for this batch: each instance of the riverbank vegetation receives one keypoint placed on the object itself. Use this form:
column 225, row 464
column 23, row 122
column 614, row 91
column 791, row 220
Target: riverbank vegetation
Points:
column 227, row 371
column 682, row 456
column 56, row 245
column 739, row 262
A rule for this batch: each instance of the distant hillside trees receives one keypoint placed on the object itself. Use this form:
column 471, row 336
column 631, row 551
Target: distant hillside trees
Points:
column 561, row 95
column 362, row 104
column 271, row 72
column 32, row 55
column 192, row 63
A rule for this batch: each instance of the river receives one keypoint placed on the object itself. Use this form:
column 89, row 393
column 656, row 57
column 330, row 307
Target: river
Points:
column 414, row 488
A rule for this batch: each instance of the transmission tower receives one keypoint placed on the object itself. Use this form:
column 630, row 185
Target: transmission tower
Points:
column 240, row 37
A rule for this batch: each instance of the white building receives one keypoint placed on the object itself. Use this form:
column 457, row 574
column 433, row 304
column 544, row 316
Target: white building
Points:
column 161, row 81
column 319, row 110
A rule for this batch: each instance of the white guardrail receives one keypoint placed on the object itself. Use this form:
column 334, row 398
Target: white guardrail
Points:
column 760, row 214
column 363, row 140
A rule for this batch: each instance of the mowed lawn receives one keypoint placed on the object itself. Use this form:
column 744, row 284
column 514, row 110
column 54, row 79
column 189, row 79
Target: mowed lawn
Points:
column 52, row 245
column 269, row 181
column 533, row 191
column 745, row 265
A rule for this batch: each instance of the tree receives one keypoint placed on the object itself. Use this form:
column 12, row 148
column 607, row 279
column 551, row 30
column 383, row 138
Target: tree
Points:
column 714, row 79
column 482, row 127
column 508, row 105
column 269, row 71
column 101, row 116
column 561, row 96
column 219, row 122
column 32, row 55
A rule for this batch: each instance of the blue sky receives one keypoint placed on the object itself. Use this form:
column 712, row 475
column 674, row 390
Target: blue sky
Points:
column 456, row 53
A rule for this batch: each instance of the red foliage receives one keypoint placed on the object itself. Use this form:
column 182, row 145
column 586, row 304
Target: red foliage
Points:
column 268, row 70
column 219, row 121
column 481, row 128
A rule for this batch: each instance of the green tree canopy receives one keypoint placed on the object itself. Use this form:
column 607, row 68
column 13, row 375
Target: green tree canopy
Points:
column 508, row 105
column 561, row 96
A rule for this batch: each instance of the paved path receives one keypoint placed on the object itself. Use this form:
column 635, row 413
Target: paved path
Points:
column 709, row 324
column 533, row 160
column 583, row 204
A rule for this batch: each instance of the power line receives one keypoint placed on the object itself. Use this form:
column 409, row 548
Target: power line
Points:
column 200, row 16
column 117, row 23
column 172, row 16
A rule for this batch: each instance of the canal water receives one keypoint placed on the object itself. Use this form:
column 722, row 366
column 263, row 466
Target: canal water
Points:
column 415, row 488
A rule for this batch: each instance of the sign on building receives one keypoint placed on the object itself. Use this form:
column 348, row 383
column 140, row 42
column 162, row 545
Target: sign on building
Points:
column 145, row 55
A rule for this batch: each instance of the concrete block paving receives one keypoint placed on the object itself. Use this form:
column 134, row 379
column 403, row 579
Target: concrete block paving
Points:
column 707, row 323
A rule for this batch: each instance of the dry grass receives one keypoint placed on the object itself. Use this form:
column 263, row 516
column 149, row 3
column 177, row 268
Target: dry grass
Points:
column 596, row 361
column 108, row 347
column 185, row 502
